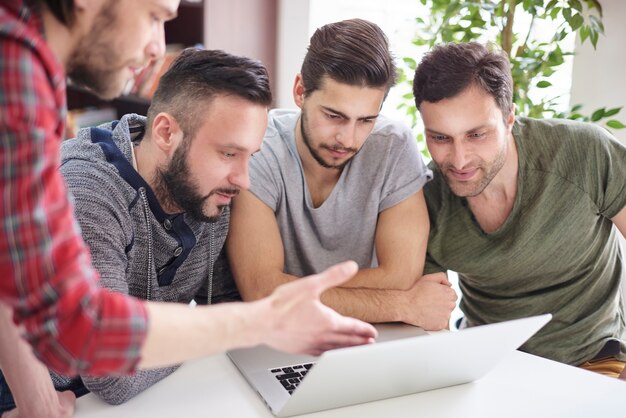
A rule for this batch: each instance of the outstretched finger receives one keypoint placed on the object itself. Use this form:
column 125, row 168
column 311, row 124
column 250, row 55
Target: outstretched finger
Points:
column 353, row 327
column 333, row 276
column 336, row 341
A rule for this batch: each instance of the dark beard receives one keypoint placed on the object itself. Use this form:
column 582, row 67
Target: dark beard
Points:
column 315, row 154
column 174, row 187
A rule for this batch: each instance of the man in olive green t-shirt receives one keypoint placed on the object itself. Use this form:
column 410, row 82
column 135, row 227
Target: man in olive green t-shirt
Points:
column 524, row 210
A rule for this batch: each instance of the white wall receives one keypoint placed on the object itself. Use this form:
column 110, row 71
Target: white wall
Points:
column 599, row 76
column 293, row 38
column 298, row 19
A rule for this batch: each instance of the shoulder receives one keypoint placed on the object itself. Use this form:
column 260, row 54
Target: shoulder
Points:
column 281, row 125
column 564, row 145
column 278, row 147
column 91, row 180
column 393, row 141
column 556, row 135
column 391, row 130
column 386, row 126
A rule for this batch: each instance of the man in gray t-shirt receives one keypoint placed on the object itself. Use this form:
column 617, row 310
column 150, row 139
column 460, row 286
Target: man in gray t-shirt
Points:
column 336, row 181
column 527, row 211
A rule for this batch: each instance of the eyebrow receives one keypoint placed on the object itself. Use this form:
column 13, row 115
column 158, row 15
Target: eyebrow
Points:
column 239, row 148
column 478, row 128
column 343, row 115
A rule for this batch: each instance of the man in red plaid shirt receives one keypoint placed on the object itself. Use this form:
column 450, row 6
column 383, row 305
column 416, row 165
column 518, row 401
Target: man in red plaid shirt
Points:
column 47, row 284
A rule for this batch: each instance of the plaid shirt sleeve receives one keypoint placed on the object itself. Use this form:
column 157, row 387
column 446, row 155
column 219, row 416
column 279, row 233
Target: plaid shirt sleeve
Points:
column 74, row 326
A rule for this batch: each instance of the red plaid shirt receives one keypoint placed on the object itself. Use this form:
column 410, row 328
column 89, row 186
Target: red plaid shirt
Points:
column 45, row 267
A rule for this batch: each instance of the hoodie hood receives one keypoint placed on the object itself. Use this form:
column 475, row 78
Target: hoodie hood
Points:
column 128, row 130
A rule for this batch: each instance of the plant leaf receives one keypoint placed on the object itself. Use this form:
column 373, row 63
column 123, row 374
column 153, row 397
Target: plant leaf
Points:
column 612, row 112
column 615, row 124
column 597, row 115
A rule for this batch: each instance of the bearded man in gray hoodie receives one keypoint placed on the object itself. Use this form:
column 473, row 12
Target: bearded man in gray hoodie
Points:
column 152, row 194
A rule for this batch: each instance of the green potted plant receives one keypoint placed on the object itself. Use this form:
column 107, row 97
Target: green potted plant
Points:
column 533, row 60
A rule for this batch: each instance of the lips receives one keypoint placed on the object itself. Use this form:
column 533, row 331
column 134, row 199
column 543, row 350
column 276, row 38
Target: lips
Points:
column 224, row 198
column 462, row 175
column 338, row 152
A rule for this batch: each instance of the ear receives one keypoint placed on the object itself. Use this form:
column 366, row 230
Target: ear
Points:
column 298, row 91
column 511, row 119
column 166, row 133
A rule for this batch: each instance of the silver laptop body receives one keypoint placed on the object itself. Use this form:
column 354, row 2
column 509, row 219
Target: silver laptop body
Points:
column 405, row 360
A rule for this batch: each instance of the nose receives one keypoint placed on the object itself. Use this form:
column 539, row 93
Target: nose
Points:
column 347, row 136
column 458, row 156
column 155, row 48
column 239, row 176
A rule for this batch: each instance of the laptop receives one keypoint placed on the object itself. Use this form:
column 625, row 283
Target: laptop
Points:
column 404, row 360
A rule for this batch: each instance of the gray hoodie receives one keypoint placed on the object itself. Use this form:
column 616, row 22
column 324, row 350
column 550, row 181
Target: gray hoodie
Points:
column 136, row 247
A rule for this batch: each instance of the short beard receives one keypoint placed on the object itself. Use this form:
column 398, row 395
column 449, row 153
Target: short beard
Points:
column 174, row 188
column 494, row 169
column 315, row 154
column 90, row 65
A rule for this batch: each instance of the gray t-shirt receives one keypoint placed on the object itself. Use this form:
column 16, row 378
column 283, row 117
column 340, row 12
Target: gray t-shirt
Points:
column 387, row 170
column 557, row 251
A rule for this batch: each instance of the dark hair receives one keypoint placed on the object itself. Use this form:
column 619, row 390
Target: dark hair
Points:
column 449, row 69
column 354, row 52
column 197, row 76
column 63, row 10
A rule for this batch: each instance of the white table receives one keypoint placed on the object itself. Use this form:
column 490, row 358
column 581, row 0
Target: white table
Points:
column 521, row 386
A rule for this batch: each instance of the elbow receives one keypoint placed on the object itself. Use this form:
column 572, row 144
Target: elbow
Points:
column 405, row 280
column 251, row 293
column 251, row 289
column 114, row 400
column 111, row 392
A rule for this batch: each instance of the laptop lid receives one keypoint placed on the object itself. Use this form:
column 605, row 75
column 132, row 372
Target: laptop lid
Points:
column 396, row 365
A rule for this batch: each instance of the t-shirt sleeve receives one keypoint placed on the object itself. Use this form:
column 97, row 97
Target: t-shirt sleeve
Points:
column 431, row 266
column 406, row 172
column 605, row 174
column 265, row 176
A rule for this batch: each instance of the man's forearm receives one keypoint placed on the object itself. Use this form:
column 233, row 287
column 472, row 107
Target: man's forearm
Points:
column 212, row 329
column 292, row 319
column 369, row 305
column 382, row 278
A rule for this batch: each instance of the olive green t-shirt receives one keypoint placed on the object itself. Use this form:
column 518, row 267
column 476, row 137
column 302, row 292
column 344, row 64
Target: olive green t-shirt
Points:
column 557, row 252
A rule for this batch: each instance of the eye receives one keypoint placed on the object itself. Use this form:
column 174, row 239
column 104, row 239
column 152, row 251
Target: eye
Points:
column 229, row 154
column 332, row 116
column 438, row 138
column 368, row 120
column 477, row 135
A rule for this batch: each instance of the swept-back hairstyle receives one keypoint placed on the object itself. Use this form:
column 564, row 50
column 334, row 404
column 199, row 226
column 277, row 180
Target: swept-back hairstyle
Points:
column 449, row 69
column 197, row 76
column 354, row 52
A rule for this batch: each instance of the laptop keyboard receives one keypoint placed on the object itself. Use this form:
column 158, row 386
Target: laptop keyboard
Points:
column 291, row 376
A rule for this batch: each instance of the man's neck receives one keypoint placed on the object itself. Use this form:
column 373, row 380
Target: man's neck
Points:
column 492, row 207
column 147, row 158
column 320, row 180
